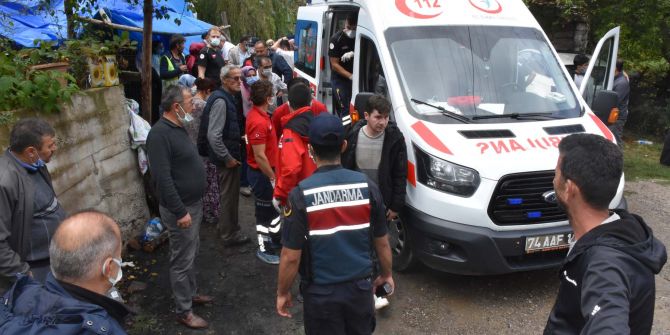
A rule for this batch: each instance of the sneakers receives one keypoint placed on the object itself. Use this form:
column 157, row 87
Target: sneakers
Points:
column 267, row 258
column 245, row 191
column 236, row 238
column 380, row 302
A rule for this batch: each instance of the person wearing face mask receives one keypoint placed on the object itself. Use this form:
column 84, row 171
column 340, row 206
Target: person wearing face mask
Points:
column 279, row 65
column 262, row 152
column 173, row 63
column 341, row 54
column 29, row 209
column 85, row 266
column 240, row 52
column 211, row 58
column 279, row 88
column 180, row 178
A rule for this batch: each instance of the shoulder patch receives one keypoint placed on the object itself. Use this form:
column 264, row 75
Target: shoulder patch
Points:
column 287, row 209
column 202, row 56
column 332, row 46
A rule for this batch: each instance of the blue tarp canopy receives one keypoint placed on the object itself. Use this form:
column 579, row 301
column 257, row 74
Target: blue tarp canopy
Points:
column 23, row 21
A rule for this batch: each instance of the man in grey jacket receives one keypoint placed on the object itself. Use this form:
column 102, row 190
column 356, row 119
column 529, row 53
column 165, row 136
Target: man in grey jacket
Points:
column 29, row 209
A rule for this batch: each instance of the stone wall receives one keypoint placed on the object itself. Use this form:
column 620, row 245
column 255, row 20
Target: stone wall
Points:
column 94, row 166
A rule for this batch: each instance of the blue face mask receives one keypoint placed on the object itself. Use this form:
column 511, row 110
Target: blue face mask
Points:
column 251, row 80
column 37, row 165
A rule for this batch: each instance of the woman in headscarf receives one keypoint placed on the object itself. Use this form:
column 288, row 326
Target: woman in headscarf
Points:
column 204, row 88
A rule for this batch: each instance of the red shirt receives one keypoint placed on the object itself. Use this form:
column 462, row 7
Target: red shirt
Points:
column 283, row 110
column 259, row 130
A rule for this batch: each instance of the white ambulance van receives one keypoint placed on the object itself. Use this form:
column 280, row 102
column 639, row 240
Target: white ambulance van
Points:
column 483, row 101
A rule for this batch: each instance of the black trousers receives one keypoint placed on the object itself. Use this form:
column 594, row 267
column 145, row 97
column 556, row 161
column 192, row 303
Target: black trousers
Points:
column 345, row 308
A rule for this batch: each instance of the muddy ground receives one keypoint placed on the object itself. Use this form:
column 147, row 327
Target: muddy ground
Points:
column 426, row 301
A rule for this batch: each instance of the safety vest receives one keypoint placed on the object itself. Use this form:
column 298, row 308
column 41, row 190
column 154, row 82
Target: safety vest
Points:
column 171, row 81
column 337, row 204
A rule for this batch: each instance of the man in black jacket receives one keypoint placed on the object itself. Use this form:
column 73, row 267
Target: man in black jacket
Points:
column 377, row 148
column 607, row 281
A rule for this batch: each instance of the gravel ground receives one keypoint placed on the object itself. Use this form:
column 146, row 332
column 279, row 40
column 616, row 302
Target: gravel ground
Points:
column 426, row 301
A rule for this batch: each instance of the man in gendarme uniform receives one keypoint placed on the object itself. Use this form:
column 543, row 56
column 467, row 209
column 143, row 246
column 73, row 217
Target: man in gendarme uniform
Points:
column 333, row 220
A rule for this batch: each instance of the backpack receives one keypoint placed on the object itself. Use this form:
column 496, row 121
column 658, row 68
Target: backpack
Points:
column 193, row 53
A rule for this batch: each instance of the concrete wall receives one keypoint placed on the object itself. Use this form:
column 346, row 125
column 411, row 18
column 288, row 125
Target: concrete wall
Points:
column 94, row 166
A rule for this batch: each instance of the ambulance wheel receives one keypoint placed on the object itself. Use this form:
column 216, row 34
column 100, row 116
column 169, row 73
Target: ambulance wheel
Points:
column 403, row 257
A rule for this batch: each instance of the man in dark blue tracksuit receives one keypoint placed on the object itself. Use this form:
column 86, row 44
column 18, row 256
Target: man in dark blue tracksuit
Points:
column 333, row 219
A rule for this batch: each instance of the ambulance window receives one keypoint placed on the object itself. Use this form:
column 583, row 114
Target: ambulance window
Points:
column 371, row 74
column 305, row 40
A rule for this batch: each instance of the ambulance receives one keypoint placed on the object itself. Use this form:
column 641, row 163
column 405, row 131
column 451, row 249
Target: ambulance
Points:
column 483, row 100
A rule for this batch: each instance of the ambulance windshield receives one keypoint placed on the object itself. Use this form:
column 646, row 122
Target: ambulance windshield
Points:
column 484, row 73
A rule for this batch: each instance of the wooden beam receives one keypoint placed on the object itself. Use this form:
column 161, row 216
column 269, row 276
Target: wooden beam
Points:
column 109, row 24
column 146, row 59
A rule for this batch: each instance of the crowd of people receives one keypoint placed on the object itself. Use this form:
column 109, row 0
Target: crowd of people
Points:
column 324, row 193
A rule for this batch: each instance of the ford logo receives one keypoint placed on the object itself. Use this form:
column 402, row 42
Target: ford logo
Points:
column 549, row 196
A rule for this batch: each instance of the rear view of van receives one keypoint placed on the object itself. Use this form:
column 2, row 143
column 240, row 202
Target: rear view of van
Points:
column 483, row 101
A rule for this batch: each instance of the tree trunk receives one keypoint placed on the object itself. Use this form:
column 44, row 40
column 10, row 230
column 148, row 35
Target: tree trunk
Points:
column 69, row 18
column 146, row 60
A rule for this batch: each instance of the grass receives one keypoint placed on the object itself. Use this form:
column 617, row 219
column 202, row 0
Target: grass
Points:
column 641, row 162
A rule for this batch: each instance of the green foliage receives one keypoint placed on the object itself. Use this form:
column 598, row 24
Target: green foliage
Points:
column 644, row 45
column 39, row 90
column 642, row 162
column 261, row 18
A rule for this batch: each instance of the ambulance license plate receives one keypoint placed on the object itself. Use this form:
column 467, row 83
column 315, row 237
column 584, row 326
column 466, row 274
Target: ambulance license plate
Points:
column 548, row 242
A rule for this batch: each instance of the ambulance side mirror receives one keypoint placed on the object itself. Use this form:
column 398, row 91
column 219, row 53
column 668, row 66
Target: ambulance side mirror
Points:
column 605, row 106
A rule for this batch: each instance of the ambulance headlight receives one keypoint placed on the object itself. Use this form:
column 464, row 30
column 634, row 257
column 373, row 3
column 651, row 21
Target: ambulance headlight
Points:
column 445, row 176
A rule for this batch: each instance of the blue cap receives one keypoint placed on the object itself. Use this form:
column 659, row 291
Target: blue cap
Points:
column 327, row 130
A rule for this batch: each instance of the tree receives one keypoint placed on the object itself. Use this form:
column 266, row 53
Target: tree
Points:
column 261, row 18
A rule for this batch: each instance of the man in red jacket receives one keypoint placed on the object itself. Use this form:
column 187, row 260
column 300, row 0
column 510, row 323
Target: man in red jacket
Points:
column 296, row 164
column 283, row 110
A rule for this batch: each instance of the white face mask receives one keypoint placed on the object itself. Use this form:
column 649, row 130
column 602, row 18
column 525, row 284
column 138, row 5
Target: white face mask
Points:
column 186, row 119
column 119, row 274
column 215, row 42
column 267, row 73
column 350, row 33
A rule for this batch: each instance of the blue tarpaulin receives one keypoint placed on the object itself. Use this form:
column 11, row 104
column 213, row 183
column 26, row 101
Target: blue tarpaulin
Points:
column 24, row 22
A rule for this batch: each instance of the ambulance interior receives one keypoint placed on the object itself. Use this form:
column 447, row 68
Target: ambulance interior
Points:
column 482, row 73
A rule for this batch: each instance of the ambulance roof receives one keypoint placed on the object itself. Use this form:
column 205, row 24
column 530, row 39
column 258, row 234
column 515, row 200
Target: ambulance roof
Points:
column 402, row 13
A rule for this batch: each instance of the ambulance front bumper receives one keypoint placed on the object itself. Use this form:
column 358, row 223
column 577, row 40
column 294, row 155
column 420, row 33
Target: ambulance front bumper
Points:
column 469, row 250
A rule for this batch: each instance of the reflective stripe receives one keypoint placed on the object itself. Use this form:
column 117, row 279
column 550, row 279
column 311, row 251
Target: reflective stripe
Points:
column 339, row 228
column 334, row 188
column 275, row 222
column 346, row 120
column 338, row 204
column 265, row 230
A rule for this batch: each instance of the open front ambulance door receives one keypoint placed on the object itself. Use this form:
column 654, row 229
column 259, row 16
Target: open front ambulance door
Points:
column 599, row 75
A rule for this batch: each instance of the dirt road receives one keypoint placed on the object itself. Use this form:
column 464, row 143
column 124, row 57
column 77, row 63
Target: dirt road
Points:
column 426, row 301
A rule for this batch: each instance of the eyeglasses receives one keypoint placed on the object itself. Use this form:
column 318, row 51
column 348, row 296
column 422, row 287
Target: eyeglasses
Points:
column 237, row 78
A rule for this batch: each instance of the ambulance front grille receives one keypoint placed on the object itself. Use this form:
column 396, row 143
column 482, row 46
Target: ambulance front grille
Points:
column 522, row 198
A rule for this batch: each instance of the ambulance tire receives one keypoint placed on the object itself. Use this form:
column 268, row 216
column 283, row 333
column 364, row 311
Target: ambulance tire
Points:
column 401, row 249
